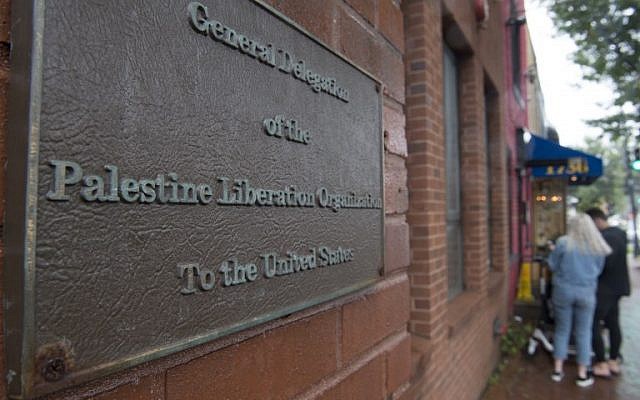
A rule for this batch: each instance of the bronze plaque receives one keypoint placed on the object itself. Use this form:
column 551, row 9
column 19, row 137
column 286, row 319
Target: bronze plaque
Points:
column 179, row 171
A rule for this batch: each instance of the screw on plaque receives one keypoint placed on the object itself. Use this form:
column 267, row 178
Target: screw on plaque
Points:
column 54, row 361
column 54, row 370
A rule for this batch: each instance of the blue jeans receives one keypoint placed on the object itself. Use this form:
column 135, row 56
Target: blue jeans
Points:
column 573, row 304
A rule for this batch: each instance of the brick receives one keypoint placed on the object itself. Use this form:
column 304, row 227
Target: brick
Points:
column 367, row 321
column 391, row 71
column 396, row 245
column 394, row 138
column 396, row 194
column 362, row 45
column 390, row 21
column 399, row 365
column 357, row 41
column 147, row 388
column 275, row 365
column 367, row 383
column 314, row 16
column 412, row 393
column 451, row 368
column 368, row 9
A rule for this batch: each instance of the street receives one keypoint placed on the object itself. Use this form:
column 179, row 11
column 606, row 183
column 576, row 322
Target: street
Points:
column 530, row 379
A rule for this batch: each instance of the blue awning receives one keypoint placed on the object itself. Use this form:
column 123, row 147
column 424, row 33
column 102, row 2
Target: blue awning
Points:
column 550, row 160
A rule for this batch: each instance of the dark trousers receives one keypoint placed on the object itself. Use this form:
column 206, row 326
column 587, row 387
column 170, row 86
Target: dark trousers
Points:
column 606, row 311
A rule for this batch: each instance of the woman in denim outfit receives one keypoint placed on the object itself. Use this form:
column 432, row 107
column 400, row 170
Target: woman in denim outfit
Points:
column 576, row 261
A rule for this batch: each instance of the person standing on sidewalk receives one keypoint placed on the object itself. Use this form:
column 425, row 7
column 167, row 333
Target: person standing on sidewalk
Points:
column 576, row 261
column 613, row 283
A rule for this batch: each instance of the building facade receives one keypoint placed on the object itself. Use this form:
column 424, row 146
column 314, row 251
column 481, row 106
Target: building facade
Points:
column 516, row 85
column 457, row 191
column 428, row 327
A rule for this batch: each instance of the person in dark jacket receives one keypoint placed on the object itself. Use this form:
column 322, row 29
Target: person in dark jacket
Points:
column 613, row 283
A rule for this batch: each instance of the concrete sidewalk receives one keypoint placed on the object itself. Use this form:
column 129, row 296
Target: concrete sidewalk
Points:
column 529, row 379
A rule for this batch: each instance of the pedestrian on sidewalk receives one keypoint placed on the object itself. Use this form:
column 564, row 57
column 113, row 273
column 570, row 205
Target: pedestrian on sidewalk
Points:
column 613, row 283
column 576, row 261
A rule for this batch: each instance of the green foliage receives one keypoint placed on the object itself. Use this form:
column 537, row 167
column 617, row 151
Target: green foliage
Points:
column 515, row 338
column 607, row 33
column 512, row 342
column 495, row 376
column 608, row 190
column 616, row 126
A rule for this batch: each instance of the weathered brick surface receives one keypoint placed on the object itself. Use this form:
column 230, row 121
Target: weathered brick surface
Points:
column 275, row 365
column 391, row 71
column 490, row 53
column 317, row 17
column 396, row 245
column 399, row 364
column 396, row 200
column 391, row 23
column 368, row 9
column 395, row 141
column 456, row 11
column 366, row 48
column 358, row 40
column 475, row 354
column 370, row 319
column 147, row 388
column 367, row 383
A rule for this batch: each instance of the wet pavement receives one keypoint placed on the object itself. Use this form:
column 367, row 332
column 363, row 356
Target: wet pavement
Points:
column 528, row 379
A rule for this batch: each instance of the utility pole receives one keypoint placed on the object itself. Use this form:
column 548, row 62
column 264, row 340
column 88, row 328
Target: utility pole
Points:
column 632, row 195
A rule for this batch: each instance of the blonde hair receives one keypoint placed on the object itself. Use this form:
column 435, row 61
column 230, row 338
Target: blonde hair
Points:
column 583, row 234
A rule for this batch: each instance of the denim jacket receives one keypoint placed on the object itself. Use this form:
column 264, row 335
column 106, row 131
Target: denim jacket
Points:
column 574, row 267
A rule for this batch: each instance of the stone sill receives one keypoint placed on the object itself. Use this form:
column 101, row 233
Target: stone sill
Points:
column 461, row 311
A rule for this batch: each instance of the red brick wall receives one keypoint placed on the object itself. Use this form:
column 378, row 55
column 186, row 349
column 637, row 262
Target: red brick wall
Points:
column 453, row 346
column 354, row 347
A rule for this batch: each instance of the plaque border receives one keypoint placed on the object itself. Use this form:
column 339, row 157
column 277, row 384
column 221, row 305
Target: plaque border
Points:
column 23, row 139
